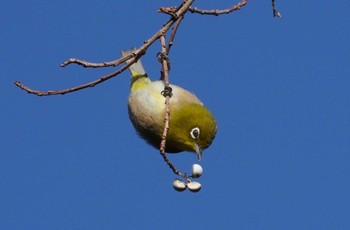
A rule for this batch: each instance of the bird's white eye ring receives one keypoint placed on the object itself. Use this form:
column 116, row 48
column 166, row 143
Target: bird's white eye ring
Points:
column 195, row 133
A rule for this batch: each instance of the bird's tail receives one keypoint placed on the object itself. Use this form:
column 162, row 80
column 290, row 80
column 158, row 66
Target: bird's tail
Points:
column 136, row 69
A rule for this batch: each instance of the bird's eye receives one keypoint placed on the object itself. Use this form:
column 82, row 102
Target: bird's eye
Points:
column 195, row 133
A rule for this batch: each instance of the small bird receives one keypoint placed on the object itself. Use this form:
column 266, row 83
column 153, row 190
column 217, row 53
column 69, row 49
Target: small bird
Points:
column 191, row 126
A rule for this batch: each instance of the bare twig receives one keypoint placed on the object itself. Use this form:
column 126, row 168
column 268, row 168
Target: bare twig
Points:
column 173, row 33
column 87, row 64
column 73, row 89
column 166, row 93
column 163, row 57
column 218, row 12
column 274, row 10
column 177, row 14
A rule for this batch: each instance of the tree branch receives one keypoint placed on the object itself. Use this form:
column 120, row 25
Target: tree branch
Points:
column 274, row 10
column 177, row 14
column 218, row 12
column 167, row 93
column 181, row 10
column 73, row 89
column 173, row 33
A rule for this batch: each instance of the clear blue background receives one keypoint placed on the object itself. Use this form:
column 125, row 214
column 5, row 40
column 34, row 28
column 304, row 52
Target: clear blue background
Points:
column 279, row 88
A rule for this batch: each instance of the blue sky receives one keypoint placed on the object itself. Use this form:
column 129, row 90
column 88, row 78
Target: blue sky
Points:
column 279, row 89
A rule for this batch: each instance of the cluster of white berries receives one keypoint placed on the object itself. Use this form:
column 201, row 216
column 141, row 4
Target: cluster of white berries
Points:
column 193, row 186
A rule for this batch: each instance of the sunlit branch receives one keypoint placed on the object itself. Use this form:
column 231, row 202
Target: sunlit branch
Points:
column 218, row 12
column 181, row 10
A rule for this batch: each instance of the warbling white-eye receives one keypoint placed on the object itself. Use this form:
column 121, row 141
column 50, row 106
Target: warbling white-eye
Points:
column 191, row 126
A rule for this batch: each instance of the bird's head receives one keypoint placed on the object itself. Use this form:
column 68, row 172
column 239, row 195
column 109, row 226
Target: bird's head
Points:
column 191, row 128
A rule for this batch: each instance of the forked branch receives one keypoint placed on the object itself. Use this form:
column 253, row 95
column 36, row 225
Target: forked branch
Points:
column 177, row 14
column 181, row 10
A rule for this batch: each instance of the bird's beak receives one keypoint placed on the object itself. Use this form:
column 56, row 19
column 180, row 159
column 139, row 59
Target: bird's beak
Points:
column 198, row 151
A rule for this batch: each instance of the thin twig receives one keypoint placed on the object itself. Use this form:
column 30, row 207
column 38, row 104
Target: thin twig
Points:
column 167, row 94
column 173, row 33
column 73, row 89
column 274, row 10
column 87, row 64
column 165, row 77
column 218, row 12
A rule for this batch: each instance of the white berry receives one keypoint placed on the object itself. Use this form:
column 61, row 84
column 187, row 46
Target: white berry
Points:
column 197, row 170
column 179, row 185
column 194, row 186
